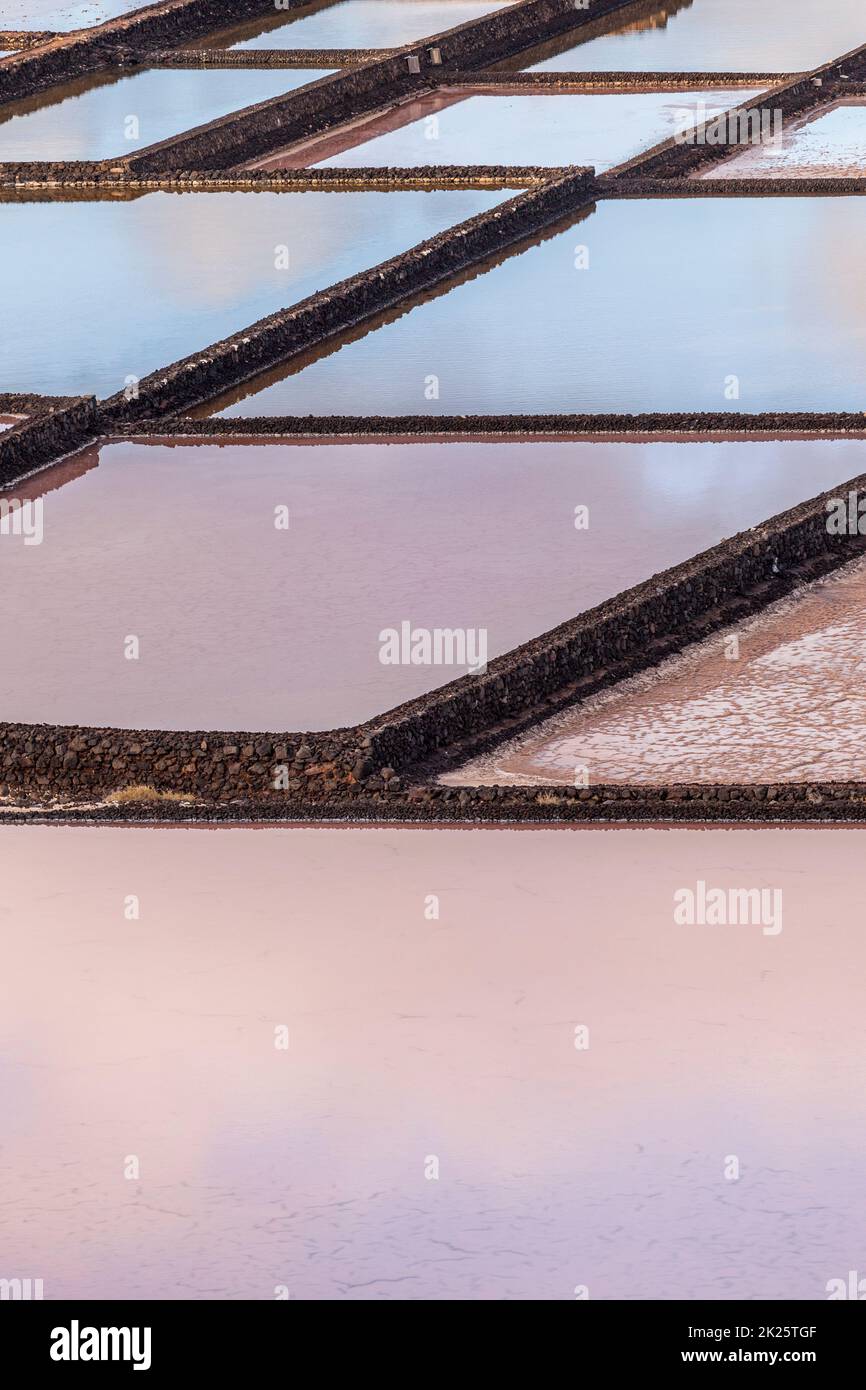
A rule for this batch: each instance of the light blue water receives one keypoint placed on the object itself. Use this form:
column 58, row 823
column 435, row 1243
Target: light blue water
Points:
column 179, row 271
column 685, row 304
column 101, row 117
column 599, row 130
column 720, row 36
column 358, row 24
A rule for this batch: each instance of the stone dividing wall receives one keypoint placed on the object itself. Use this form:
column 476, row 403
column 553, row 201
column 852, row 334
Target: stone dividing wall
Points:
column 672, row 159
column 517, row 27
column 779, row 803
column 96, row 175
column 818, row 186
column 280, row 336
column 685, row 801
column 45, row 436
column 556, row 80
column 19, row 38
column 618, row 638
column 26, row 402
column 262, row 57
column 66, row 56
column 376, row 762
column 269, row 125
column 333, row 100
column 41, row 759
column 729, row 424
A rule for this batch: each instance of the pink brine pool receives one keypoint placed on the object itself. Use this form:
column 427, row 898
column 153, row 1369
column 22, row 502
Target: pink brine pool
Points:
column 534, row 1094
column 257, row 580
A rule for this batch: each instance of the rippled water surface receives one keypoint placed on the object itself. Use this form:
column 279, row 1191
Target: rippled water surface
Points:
column 179, row 271
column 786, row 703
column 412, row 1040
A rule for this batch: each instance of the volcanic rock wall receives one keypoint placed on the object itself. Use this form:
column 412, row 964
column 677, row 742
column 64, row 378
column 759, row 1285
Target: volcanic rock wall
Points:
column 376, row 762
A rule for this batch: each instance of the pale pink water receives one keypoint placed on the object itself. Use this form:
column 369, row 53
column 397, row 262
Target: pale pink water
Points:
column 412, row 1039
column 243, row 626
column 787, row 703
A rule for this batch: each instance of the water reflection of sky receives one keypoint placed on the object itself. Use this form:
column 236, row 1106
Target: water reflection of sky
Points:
column 410, row 1039
column 284, row 631
column 680, row 297
column 179, row 271
column 359, row 24
column 599, row 130
column 92, row 119
column 721, row 36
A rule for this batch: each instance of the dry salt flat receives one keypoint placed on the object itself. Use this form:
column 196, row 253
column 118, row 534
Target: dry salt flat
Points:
column 831, row 144
column 781, row 698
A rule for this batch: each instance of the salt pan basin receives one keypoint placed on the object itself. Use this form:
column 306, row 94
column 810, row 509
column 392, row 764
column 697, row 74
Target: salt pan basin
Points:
column 437, row 1126
column 355, row 24
column 102, row 117
column 599, row 130
column 715, row 36
column 60, row 17
column 780, row 698
column 243, row 626
column 640, row 305
column 829, row 145
column 179, row 271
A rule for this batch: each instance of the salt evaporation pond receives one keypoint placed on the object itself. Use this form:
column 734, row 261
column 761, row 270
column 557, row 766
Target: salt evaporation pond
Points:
column 355, row 24
column 59, row 16
column 176, row 272
column 713, row 36
column 643, row 305
column 244, row 626
column 560, row 1168
column 91, row 118
column 831, row 144
column 524, row 129
column 787, row 703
